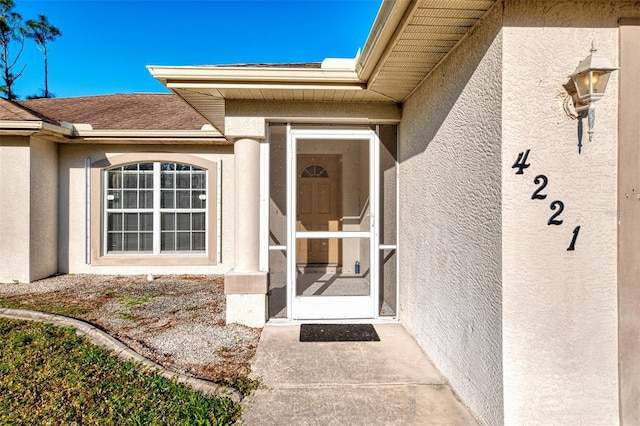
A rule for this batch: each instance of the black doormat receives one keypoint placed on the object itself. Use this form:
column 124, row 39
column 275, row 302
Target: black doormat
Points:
column 338, row 333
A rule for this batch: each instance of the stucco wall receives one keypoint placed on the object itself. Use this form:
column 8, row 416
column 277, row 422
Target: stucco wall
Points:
column 72, row 224
column 14, row 208
column 450, row 225
column 559, row 306
column 44, row 208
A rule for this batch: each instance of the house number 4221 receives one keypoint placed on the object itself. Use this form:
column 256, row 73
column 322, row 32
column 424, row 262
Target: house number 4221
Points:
column 541, row 182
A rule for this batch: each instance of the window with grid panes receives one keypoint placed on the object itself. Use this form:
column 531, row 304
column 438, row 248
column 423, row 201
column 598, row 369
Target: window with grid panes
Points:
column 155, row 207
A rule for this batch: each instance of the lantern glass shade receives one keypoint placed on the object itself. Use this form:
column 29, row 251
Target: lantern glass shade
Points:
column 591, row 77
column 591, row 84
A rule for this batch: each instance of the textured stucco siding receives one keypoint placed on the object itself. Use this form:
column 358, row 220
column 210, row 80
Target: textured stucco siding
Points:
column 44, row 209
column 15, row 208
column 559, row 306
column 72, row 219
column 450, row 219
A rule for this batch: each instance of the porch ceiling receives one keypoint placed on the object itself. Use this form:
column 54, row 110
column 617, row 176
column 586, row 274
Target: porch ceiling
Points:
column 406, row 42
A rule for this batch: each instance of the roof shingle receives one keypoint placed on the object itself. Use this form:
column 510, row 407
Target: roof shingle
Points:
column 121, row 112
column 14, row 111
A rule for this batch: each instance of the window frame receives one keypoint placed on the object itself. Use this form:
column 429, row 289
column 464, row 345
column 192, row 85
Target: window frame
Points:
column 99, row 255
column 306, row 173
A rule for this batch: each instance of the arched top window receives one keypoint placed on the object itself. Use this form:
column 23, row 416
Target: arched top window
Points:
column 314, row 171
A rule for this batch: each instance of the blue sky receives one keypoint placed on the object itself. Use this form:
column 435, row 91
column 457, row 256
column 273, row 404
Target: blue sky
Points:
column 106, row 45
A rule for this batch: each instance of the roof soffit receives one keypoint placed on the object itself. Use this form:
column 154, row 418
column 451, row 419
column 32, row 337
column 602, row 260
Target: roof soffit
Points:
column 426, row 33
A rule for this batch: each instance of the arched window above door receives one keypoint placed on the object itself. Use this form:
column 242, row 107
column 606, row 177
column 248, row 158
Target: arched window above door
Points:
column 314, row 171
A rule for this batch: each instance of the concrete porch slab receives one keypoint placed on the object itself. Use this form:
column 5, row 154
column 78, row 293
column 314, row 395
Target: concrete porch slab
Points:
column 391, row 382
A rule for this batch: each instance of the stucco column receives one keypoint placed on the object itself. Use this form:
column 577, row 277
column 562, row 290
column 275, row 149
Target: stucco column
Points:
column 245, row 285
column 247, row 207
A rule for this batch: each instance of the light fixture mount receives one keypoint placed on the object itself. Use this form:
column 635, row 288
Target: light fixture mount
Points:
column 590, row 80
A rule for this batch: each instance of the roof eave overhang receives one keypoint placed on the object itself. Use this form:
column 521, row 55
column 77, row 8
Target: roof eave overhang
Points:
column 253, row 75
column 218, row 79
column 198, row 134
column 214, row 78
column 32, row 126
column 383, row 30
column 424, row 32
column 149, row 136
column 408, row 40
column 208, row 84
column 174, row 140
column 29, row 128
column 70, row 134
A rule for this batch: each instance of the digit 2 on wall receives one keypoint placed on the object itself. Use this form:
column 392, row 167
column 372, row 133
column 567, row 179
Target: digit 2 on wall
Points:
column 556, row 206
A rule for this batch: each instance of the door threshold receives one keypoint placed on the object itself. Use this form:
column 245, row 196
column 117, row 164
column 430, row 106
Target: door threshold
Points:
column 287, row 321
column 318, row 268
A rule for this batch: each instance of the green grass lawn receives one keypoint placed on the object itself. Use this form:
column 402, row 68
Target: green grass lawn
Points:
column 49, row 375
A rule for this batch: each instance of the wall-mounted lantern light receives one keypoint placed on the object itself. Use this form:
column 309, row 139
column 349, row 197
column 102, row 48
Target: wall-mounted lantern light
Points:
column 590, row 80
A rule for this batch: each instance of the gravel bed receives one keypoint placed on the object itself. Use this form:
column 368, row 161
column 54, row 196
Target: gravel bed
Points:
column 177, row 321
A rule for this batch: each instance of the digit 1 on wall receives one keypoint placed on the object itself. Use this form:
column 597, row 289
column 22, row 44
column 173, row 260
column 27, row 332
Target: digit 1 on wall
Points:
column 572, row 246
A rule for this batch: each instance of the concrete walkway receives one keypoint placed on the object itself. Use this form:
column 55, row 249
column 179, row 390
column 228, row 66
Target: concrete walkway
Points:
column 391, row 382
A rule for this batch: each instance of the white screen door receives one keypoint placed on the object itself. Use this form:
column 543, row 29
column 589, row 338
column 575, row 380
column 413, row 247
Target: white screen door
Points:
column 332, row 239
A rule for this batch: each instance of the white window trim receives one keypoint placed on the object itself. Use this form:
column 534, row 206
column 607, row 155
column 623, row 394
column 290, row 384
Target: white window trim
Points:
column 157, row 211
column 210, row 257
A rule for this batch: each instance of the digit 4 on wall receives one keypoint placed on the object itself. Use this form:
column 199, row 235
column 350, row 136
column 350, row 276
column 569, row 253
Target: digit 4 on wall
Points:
column 556, row 206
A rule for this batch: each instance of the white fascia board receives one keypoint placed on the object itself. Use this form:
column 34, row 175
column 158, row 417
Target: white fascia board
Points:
column 263, row 86
column 219, row 141
column 190, row 134
column 240, row 75
column 33, row 126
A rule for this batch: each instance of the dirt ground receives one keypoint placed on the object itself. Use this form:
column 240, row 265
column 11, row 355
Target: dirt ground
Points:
column 177, row 321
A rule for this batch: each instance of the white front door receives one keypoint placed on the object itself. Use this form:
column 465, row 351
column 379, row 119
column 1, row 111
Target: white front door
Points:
column 332, row 270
